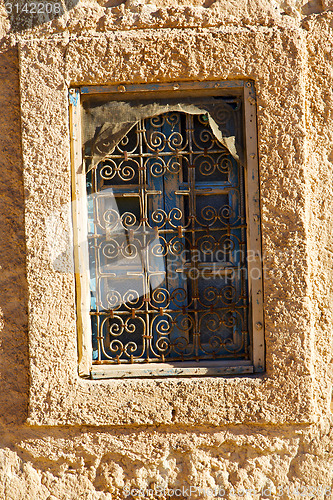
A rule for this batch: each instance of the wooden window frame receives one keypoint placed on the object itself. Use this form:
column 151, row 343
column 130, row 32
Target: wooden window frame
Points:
column 243, row 88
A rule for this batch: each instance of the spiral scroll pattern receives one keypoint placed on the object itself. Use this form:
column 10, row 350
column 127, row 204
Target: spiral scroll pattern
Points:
column 167, row 239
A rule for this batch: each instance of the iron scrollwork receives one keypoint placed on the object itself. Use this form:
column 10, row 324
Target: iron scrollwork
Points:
column 167, row 240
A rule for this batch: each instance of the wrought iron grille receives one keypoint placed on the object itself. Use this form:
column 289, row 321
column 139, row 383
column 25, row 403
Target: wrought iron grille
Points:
column 167, row 246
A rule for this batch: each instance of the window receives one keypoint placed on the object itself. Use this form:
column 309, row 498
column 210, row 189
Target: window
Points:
column 166, row 217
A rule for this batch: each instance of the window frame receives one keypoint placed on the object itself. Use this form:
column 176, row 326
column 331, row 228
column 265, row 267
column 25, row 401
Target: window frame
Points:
column 243, row 88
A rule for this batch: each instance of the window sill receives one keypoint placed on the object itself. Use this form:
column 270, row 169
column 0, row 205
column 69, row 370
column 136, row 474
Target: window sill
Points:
column 186, row 369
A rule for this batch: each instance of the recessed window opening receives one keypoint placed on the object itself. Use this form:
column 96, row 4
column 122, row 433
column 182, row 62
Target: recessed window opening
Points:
column 167, row 232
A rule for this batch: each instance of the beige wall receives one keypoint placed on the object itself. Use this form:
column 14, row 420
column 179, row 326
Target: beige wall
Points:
column 66, row 438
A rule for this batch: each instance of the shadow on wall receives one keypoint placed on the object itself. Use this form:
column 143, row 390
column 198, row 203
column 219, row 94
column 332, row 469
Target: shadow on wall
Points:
column 14, row 368
column 314, row 7
column 27, row 14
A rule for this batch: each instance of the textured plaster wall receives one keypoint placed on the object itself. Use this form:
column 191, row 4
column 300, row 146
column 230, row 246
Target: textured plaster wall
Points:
column 287, row 446
column 57, row 395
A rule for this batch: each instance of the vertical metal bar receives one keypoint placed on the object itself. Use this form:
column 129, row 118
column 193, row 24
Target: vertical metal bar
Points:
column 192, row 214
column 171, row 181
column 156, row 203
column 94, row 189
column 143, row 186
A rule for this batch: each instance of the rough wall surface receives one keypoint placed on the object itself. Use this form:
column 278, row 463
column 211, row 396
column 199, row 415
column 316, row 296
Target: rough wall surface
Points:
column 276, row 453
column 57, row 395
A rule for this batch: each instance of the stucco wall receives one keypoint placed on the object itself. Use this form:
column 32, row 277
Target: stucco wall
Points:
column 62, row 438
